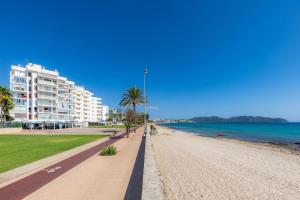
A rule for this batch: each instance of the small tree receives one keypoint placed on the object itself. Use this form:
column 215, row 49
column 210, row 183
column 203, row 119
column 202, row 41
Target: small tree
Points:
column 129, row 120
column 140, row 118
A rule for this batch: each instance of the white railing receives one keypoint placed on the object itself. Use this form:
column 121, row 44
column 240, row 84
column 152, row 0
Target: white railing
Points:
column 46, row 97
column 46, row 83
column 46, row 90
column 19, row 89
column 47, row 105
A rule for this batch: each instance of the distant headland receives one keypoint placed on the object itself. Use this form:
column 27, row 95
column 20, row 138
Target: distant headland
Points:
column 239, row 119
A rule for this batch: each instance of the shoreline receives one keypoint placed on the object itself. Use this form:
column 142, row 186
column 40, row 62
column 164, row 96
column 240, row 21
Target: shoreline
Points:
column 292, row 147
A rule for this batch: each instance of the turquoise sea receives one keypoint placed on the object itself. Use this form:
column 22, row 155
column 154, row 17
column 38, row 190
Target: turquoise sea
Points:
column 278, row 133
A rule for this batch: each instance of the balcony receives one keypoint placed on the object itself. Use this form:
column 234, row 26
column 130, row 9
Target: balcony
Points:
column 18, row 80
column 18, row 89
column 63, row 89
column 18, row 83
column 20, row 102
column 42, row 82
column 19, row 109
column 20, row 96
column 47, row 97
column 47, row 110
column 47, row 116
column 46, row 105
column 43, row 89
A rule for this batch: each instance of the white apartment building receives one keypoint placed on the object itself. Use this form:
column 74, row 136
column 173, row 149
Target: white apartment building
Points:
column 95, row 109
column 43, row 95
column 104, row 112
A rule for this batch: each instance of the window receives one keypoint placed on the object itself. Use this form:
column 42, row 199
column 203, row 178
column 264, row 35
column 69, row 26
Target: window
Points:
column 18, row 79
column 20, row 102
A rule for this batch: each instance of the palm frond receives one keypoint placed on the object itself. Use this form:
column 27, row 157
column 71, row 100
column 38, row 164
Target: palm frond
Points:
column 132, row 97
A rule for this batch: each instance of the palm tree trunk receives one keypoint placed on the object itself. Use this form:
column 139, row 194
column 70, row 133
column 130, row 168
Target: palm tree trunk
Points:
column 134, row 108
column 1, row 116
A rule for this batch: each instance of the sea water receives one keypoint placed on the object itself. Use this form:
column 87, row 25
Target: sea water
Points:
column 261, row 132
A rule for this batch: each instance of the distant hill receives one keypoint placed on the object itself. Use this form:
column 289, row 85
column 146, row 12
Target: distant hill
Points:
column 239, row 119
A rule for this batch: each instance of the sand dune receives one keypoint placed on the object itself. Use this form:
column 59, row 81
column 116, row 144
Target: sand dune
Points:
column 195, row 167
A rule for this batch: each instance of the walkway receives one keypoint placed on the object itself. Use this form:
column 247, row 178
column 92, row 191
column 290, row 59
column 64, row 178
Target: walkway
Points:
column 100, row 177
column 71, row 177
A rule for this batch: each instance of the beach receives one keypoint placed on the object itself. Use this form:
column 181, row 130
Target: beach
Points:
column 197, row 167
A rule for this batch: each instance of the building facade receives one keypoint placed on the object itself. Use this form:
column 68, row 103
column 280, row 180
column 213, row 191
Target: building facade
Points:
column 104, row 110
column 43, row 95
column 116, row 115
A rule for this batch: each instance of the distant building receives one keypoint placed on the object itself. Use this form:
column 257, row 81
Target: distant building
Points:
column 104, row 112
column 42, row 95
column 115, row 114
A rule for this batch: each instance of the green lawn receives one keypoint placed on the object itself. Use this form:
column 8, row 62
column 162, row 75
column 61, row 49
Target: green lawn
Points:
column 18, row 150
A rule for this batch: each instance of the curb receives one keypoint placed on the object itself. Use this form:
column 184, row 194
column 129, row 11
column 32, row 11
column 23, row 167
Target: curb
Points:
column 151, row 182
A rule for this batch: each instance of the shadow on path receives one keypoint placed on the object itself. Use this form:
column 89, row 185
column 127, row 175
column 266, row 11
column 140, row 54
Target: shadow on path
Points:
column 135, row 185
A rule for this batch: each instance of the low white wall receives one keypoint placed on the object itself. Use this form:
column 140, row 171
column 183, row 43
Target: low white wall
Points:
column 151, row 182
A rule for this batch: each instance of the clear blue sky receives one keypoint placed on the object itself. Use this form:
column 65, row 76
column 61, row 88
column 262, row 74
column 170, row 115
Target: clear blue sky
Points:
column 205, row 58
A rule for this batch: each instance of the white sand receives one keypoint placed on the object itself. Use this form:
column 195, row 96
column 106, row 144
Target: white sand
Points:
column 195, row 167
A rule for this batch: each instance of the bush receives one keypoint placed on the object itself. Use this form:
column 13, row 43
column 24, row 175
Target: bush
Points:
column 109, row 151
column 114, row 133
column 152, row 129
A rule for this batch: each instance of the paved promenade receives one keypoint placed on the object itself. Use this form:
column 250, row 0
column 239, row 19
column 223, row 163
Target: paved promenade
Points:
column 83, row 176
column 100, row 177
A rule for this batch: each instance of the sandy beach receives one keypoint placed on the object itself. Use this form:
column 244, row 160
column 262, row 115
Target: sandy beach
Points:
column 196, row 167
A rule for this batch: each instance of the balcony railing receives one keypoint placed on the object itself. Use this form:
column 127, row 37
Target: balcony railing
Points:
column 42, row 89
column 20, row 97
column 42, row 82
column 19, row 89
column 18, row 83
column 46, row 97
column 46, row 105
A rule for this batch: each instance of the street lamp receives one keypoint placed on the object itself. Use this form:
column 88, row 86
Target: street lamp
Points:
column 145, row 100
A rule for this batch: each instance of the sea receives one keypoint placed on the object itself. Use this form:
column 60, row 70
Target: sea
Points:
column 276, row 133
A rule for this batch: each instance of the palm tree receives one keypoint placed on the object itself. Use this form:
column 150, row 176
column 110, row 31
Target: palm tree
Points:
column 6, row 103
column 132, row 97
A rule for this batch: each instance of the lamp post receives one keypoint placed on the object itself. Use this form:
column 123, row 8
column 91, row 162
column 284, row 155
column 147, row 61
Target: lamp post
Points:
column 145, row 100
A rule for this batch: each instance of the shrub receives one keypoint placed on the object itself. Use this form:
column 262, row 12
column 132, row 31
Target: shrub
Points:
column 109, row 151
column 113, row 134
column 152, row 129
